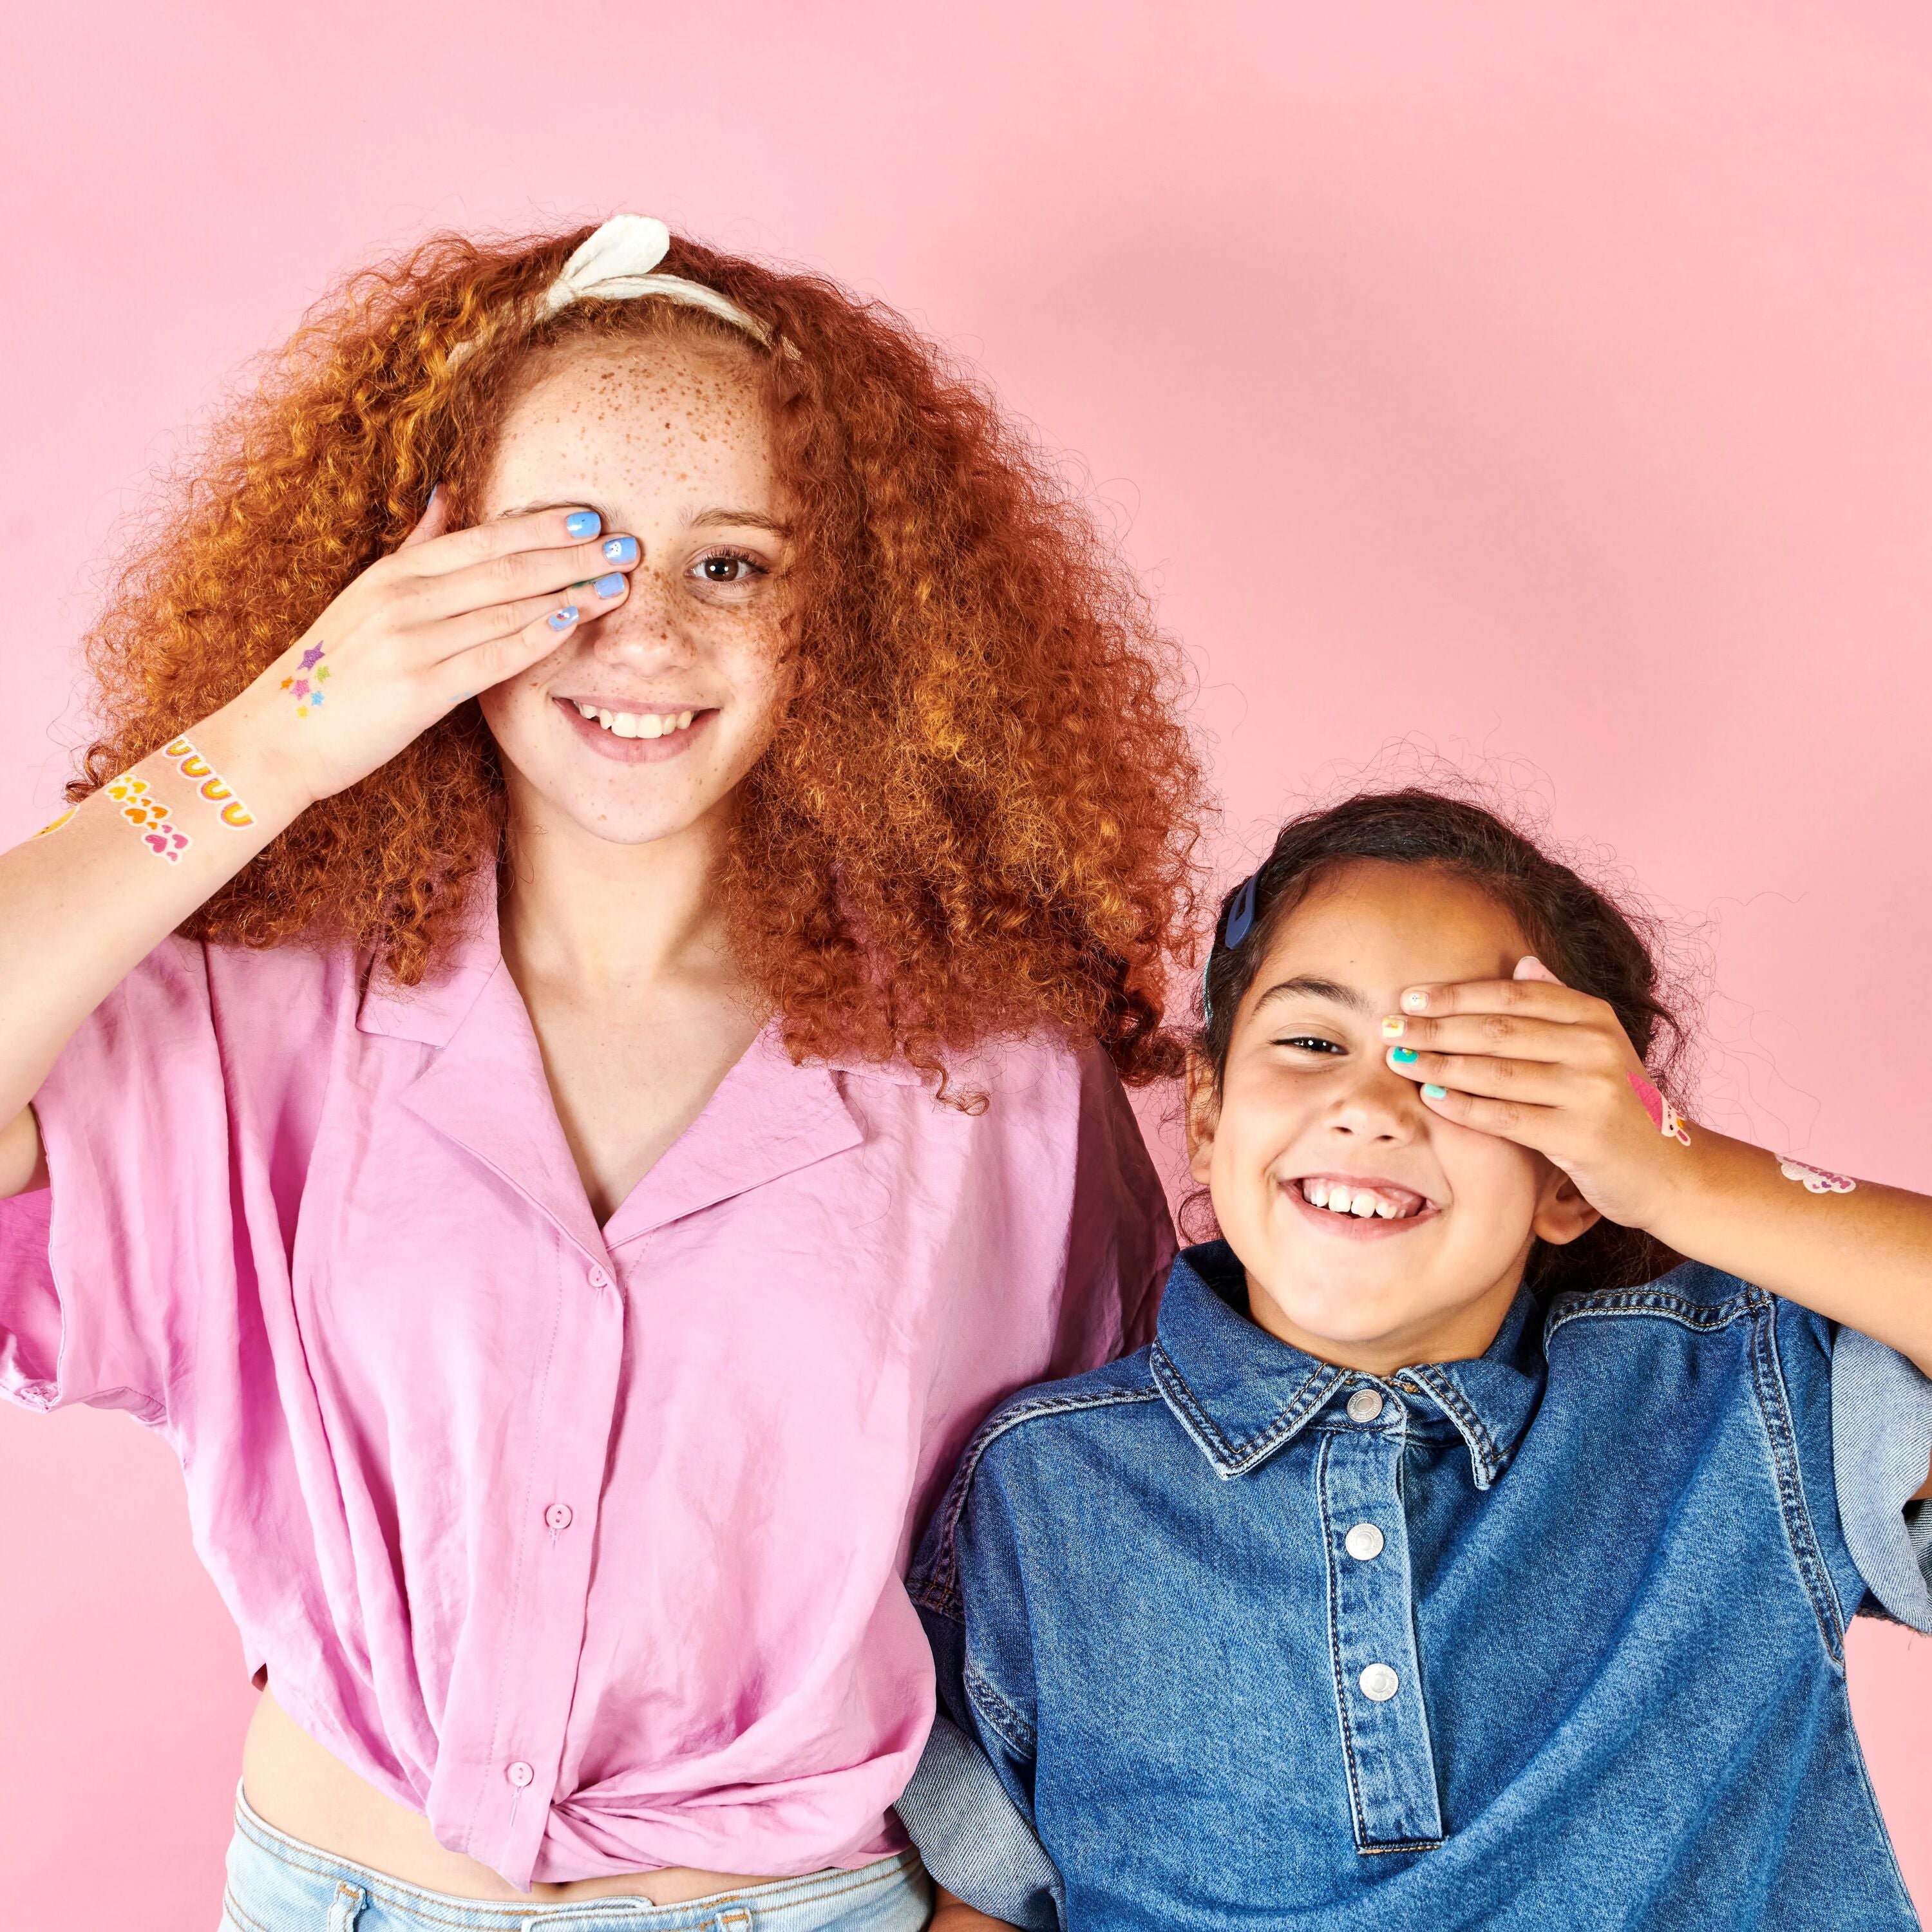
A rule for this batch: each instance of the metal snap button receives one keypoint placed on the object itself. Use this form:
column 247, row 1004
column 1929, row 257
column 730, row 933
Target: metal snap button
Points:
column 1365, row 1405
column 1379, row 1683
column 1363, row 1543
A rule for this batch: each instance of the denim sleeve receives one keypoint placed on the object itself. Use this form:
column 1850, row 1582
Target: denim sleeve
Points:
column 969, row 1808
column 1881, row 1444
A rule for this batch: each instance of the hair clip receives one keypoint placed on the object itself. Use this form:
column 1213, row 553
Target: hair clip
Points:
column 1240, row 923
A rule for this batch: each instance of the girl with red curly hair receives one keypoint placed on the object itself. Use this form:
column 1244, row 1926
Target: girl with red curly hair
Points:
column 569, row 1047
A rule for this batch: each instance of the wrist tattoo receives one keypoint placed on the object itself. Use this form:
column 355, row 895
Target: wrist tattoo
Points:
column 1816, row 1180
column 305, row 680
column 1663, row 1116
column 150, row 817
column 194, row 767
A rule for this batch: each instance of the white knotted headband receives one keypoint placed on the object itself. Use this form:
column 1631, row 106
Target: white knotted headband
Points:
column 618, row 263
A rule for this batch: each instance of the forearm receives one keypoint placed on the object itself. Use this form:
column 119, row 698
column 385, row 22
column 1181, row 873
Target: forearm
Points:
column 82, row 904
column 1862, row 1258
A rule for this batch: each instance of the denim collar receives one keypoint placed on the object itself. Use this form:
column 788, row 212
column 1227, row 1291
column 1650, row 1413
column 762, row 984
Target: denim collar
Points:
column 1241, row 1393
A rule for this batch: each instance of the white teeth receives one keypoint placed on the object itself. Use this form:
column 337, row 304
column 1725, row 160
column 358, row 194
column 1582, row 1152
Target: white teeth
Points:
column 1363, row 1205
column 1338, row 1201
column 1387, row 1210
column 637, row 723
column 1316, row 1193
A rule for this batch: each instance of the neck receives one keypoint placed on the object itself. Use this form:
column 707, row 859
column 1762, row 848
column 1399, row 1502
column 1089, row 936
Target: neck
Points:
column 1457, row 1334
column 606, row 919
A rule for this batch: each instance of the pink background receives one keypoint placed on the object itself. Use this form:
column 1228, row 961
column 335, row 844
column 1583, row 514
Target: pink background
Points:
column 1545, row 385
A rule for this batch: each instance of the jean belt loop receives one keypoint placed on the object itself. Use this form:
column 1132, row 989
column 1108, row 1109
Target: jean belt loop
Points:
column 346, row 1906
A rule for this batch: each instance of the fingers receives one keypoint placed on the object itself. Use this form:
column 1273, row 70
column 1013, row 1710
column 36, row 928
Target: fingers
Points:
column 434, row 521
column 1544, row 998
column 1516, row 1121
column 598, row 598
column 566, row 527
column 491, row 661
column 514, row 576
column 1516, row 1036
column 1532, row 1083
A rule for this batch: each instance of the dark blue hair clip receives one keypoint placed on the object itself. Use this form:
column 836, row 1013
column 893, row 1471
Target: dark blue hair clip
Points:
column 1240, row 923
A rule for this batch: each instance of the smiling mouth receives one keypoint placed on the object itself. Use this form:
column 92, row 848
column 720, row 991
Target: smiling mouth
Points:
column 634, row 724
column 1363, row 1200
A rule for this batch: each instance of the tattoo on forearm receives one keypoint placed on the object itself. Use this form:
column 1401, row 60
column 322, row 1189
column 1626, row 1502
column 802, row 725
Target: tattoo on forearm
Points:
column 1663, row 1117
column 150, row 817
column 305, row 681
column 193, row 766
column 1816, row 1180
column 63, row 819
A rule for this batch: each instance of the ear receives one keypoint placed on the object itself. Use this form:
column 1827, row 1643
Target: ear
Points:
column 1203, row 1115
column 1562, row 1213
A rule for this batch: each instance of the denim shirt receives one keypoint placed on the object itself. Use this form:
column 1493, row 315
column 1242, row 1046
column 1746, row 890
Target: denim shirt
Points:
column 1554, row 1637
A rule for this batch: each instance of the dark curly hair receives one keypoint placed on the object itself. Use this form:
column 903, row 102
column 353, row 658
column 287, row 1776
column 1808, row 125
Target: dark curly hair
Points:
column 978, row 814
column 1583, row 935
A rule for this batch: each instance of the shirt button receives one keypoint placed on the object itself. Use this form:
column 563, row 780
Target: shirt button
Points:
column 558, row 1516
column 1363, row 1543
column 1379, row 1683
column 598, row 1278
column 519, row 1774
column 1365, row 1405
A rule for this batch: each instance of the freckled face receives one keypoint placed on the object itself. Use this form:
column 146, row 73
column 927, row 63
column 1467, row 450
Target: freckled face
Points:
column 644, row 722
column 1310, row 1107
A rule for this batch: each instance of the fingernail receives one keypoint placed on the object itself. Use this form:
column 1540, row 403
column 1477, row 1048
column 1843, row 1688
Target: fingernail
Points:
column 622, row 550
column 1392, row 1026
column 1433, row 1092
column 1404, row 1056
column 561, row 620
column 583, row 523
column 609, row 586
column 1415, row 1002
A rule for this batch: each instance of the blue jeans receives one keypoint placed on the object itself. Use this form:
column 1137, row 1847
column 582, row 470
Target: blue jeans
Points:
column 278, row 1884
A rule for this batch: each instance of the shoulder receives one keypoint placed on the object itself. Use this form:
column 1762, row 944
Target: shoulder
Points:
column 1023, row 1445
column 1691, row 1297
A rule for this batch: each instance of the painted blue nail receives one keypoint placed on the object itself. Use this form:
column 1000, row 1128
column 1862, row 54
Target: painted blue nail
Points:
column 583, row 523
column 561, row 620
column 1404, row 1056
column 1433, row 1092
column 609, row 586
column 622, row 550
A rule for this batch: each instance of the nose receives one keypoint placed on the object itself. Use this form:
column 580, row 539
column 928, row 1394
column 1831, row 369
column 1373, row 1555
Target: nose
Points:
column 1378, row 1106
column 645, row 629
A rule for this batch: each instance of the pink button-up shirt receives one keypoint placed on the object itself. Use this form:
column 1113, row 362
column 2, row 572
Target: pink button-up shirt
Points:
column 586, row 1542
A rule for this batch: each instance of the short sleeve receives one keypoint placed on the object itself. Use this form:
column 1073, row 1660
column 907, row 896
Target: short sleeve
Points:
column 134, row 1122
column 969, row 1808
column 1881, row 1448
column 1120, row 1234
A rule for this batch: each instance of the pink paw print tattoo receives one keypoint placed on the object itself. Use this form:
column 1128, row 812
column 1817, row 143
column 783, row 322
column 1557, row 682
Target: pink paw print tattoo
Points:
column 306, row 682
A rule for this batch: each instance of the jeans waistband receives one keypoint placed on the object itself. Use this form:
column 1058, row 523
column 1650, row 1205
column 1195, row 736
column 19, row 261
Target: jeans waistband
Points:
column 277, row 1883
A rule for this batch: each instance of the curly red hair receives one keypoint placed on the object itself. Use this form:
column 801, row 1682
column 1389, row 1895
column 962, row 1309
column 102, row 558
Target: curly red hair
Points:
column 979, row 811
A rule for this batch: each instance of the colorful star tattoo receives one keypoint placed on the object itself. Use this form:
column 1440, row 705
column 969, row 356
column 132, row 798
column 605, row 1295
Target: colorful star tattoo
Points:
column 307, row 690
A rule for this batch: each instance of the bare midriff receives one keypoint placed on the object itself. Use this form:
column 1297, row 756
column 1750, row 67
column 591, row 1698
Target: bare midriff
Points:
column 300, row 1788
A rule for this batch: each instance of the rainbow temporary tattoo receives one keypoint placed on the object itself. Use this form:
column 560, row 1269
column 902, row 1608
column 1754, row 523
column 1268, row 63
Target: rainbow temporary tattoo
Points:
column 142, row 809
column 194, row 765
column 306, row 681
column 58, row 822
column 1663, row 1117
column 1816, row 1180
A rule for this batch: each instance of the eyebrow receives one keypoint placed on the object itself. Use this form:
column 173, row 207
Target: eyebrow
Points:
column 714, row 519
column 1309, row 986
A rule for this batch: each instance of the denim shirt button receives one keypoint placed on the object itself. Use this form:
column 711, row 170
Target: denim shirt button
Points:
column 1363, row 1543
column 1379, row 1683
column 1365, row 1405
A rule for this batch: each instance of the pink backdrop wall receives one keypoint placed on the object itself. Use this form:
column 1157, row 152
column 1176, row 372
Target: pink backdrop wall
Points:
column 1547, row 385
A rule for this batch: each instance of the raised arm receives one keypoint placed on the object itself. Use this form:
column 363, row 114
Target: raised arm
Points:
column 84, row 901
column 1551, row 1068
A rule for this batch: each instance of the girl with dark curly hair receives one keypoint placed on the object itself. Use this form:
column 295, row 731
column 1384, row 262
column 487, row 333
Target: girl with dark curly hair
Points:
column 570, row 1045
